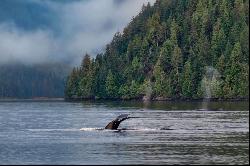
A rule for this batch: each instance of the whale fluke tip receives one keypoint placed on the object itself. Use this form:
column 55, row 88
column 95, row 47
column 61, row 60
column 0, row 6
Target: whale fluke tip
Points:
column 113, row 125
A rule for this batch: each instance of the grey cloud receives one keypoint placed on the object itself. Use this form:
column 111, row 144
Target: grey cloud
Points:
column 83, row 26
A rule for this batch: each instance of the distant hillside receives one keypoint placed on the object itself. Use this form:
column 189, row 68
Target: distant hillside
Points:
column 21, row 81
column 175, row 49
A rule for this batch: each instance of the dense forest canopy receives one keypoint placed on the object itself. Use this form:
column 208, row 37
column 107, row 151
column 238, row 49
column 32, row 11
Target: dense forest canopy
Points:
column 30, row 81
column 175, row 49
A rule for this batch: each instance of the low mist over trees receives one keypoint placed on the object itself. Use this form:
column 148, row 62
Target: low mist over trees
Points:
column 175, row 49
column 29, row 81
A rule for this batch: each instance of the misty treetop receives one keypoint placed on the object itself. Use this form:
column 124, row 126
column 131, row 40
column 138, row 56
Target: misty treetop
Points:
column 175, row 49
column 30, row 81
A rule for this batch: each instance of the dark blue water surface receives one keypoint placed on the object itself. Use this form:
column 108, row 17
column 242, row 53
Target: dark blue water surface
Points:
column 58, row 132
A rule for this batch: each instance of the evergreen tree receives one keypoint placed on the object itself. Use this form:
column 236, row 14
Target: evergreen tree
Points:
column 72, row 83
column 175, row 74
column 162, row 84
column 187, row 81
column 110, row 85
column 234, row 73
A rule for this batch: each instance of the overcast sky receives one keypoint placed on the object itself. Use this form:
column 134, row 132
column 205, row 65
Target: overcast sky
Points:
column 75, row 27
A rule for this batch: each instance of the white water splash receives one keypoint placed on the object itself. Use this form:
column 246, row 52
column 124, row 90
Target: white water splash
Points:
column 90, row 129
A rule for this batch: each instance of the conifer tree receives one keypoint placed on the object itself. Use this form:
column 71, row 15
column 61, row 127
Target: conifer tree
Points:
column 187, row 81
column 110, row 85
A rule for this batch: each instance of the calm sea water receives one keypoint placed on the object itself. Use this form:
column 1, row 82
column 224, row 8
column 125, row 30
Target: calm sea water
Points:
column 65, row 133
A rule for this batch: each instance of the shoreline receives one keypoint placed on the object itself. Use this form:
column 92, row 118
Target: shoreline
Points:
column 31, row 99
column 158, row 100
column 121, row 100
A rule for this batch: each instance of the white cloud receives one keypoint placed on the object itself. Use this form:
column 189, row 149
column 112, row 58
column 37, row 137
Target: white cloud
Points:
column 85, row 26
column 26, row 47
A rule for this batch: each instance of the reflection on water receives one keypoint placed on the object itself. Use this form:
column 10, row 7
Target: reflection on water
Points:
column 175, row 105
column 49, row 133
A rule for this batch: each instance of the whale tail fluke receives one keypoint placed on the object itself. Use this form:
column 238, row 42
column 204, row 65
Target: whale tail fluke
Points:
column 113, row 125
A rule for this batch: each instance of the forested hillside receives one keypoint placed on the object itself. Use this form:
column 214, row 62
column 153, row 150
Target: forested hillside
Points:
column 175, row 49
column 30, row 81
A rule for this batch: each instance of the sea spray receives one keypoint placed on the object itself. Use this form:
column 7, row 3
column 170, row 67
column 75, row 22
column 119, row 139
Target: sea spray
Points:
column 209, row 85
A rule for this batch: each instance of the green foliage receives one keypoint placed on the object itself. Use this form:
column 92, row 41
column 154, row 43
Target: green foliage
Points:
column 162, row 83
column 168, row 51
column 236, row 74
column 175, row 74
column 110, row 85
column 130, row 91
column 165, row 56
column 218, row 41
column 187, row 81
column 72, row 83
